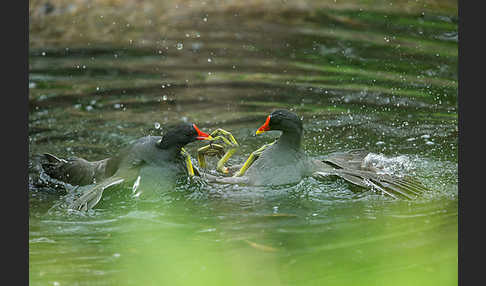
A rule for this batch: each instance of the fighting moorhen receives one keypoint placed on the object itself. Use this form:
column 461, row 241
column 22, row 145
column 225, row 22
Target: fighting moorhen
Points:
column 160, row 155
column 284, row 162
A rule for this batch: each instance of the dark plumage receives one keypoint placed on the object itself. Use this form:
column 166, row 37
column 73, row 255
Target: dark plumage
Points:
column 285, row 162
column 153, row 154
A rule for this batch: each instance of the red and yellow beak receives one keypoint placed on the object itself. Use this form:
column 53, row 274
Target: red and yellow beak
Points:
column 264, row 127
column 201, row 135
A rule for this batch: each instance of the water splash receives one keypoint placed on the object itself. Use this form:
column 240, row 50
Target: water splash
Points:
column 387, row 165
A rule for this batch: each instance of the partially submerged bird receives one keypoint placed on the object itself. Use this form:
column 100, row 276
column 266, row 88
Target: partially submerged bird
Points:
column 284, row 162
column 161, row 157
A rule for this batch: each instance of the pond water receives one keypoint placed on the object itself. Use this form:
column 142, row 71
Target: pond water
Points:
column 385, row 82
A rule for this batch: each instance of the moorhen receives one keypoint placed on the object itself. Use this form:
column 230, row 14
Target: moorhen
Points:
column 163, row 156
column 284, row 162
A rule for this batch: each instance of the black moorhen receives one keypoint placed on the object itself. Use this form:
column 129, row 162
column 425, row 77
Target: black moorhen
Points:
column 284, row 162
column 160, row 155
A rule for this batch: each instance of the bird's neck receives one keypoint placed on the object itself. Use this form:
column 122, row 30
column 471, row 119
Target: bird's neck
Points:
column 291, row 139
column 173, row 149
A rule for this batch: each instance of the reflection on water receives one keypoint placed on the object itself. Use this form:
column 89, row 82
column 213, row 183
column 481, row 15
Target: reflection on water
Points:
column 385, row 82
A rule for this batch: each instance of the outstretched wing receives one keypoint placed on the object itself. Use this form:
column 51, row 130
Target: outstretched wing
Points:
column 352, row 159
column 393, row 186
column 75, row 171
column 349, row 166
column 92, row 196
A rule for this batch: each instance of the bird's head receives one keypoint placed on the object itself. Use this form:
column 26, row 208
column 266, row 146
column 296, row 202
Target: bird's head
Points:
column 183, row 134
column 282, row 120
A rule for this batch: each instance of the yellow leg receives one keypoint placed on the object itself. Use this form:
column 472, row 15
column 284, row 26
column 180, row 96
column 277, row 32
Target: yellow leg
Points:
column 200, row 156
column 211, row 150
column 231, row 142
column 246, row 165
column 190, row 169
column 215, row 149
column 253, row 156
column 220, row 166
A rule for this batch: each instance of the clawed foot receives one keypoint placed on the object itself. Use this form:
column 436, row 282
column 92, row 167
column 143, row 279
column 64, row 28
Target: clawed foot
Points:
column 214, row 149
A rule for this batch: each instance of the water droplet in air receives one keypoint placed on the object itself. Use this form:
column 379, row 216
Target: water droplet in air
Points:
column 157, row 125
column 180, row 46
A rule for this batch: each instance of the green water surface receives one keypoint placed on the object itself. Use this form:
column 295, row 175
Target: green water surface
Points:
column 385, row 82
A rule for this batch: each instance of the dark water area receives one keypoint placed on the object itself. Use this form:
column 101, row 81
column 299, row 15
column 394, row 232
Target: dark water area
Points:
column 385, row 82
